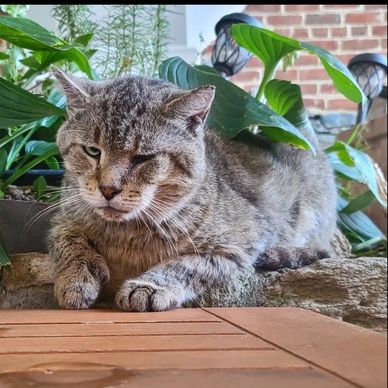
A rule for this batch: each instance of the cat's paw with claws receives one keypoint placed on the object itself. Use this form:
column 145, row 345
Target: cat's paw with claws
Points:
column 143, row 296
column 78, row 285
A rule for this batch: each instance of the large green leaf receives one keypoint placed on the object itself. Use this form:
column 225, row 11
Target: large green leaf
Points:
column 3, row 160
column 39, row 147
column 363, row 164
column 233, row 109
column 342, row 78
column 358, row 222
column 271, row 48
column 359, row 203
column 27, row 34
column 3, row 56
column 17, row 106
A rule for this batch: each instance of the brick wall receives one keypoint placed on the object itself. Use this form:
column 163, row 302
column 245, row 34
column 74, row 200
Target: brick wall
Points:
column 344, row 30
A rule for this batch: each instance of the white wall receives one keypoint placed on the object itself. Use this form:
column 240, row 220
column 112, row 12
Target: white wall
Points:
column 187, row 22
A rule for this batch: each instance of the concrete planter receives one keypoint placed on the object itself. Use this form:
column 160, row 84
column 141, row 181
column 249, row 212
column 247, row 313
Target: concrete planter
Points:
column 24, row 226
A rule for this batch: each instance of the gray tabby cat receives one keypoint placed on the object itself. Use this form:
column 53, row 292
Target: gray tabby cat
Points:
column 157, row 208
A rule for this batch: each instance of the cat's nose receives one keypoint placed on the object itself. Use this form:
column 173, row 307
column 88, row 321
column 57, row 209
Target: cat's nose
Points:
column 109, row 191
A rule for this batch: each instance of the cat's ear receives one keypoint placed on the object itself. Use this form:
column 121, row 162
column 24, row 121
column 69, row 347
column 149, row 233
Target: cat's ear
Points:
column 75, row 88
column 193, row 105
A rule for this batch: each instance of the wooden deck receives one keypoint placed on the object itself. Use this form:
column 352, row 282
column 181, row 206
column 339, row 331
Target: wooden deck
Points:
column 217, row 347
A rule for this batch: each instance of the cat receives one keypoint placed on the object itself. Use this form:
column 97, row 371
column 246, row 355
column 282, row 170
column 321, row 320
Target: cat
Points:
column 157, row 207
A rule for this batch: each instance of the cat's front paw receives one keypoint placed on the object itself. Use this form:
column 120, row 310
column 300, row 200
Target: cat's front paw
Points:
column 77, row 287
column 138, row 295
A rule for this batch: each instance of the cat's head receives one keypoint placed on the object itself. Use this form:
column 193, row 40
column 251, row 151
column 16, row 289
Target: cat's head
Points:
column 134, row 146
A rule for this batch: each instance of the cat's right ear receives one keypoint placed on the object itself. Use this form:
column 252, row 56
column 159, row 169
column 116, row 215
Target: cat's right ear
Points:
column 73, row 87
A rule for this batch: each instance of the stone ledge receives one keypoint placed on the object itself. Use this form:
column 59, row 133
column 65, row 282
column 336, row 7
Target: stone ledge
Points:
column 350, row 289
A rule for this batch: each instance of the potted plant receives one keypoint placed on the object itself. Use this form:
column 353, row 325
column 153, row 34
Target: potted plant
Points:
column 31, row 111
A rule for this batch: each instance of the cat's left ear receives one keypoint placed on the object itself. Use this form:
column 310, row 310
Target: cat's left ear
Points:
column 193, row 105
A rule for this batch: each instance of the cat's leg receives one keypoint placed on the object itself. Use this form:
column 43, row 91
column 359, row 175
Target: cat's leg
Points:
column 169, row 285
column 79, row 270
column 289, row 257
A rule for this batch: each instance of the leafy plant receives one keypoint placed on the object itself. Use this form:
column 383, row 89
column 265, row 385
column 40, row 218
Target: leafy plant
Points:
column 132, row 38
column 30, row 109
column 278, row 113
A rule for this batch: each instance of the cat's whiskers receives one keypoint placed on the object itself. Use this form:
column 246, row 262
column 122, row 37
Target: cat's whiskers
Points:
column 44, row 212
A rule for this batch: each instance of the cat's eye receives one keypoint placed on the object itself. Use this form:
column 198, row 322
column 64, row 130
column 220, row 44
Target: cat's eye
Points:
column 92, row 151
column 138, row 159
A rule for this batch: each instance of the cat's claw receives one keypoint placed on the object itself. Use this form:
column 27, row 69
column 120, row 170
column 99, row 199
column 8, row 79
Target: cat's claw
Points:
column 145, row 296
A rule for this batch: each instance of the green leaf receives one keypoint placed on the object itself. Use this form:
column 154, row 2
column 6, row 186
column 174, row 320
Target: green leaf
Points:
column 73, row 54
column 283, row 96
column 84, row 39
column 20, row 171
column 4, row 258
column 3, row 160
column 359, row 203
column 31, row 62
column 342, row 78
column 3, row 56
column 233, row 109
column 39, row 147
column 17, row 106
column 342, row 169
column 27, row 34
column 358, row 222
column 365, row 169
column 52, row 163
column 39, row 185
column 271, row 48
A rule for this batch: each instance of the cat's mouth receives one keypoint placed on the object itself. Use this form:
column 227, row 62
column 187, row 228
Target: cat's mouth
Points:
column 111, row 213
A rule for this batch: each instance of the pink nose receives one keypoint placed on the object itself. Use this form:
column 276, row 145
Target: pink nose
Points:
column 109, row 191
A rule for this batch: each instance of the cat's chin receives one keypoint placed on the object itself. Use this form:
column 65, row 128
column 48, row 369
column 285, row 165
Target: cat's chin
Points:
column 111, row 214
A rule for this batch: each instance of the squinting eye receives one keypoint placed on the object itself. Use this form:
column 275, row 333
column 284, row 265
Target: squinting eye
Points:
column 137, row 159
column 92, row 151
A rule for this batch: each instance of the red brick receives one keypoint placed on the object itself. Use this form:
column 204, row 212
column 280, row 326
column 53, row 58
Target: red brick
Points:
column 357, row 31
column 255, row 63
column 329, row 45
column 309, row 89
column 320, row 32
column 284, row 20
column 254, row 9
column 341, row 104
column 283, row 31
column 302, row 7
column 341, row 6
column 383, row 43
column 327, row 89
column 363, row 18
column 312, row 74
column 300, row 33
column 323, row 19
column 379, row 30
column 345, row 58
column 360, row 44
column 307, row 60
column 289, row 75
column 339, row 31
column 314, row 103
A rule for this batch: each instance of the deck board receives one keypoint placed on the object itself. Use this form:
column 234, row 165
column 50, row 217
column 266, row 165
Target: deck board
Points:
column 228, row 347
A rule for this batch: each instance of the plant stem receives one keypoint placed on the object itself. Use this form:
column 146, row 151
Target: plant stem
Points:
column 268, row 75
